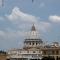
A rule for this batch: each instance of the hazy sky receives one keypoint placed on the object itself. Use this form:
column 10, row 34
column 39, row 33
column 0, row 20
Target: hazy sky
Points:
column 17, row 17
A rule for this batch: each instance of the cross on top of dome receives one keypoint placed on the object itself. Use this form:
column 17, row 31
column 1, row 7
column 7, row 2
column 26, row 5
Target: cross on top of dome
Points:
column 33, row 28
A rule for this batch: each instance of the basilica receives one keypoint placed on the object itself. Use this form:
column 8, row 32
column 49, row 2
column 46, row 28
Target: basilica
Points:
column 34, row 48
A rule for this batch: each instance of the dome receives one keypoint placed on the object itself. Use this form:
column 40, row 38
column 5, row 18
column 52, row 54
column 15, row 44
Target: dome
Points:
column 33, row 35
column 32, row 39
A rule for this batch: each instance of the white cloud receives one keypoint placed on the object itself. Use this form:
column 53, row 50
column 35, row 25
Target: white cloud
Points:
column 17, row 15
column 21, row 18
column 11, row 35
column 23, row 22
column 54, row 18
column 43, row 26
column 11, row 39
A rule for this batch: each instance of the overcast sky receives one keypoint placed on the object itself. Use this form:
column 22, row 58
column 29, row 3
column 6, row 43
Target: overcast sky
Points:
column 17, row 17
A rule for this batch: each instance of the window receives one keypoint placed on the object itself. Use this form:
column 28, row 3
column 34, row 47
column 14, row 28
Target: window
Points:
column 33, row 51
column 44, row 52
column 33, row 43
column 57, row 52
column 27, row 51
column 53, row 52
column 30, row 43
column 36, row 43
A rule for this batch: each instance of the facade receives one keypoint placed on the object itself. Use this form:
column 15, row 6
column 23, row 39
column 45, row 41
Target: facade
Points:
column 52, row 50
column 34, row 48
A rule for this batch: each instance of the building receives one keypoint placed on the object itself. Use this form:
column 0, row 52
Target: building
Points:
column 34, row 48
column 52, row 50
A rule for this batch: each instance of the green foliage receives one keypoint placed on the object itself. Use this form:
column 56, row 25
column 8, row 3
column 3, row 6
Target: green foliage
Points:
column 2, row 52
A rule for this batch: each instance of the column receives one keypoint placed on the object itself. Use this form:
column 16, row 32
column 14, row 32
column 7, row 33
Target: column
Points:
column 55, row 55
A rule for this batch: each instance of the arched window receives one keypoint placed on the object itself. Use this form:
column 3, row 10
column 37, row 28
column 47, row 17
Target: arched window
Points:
column 33, row 43
column 57, row 52
column 33, row 51
column 30, row 43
